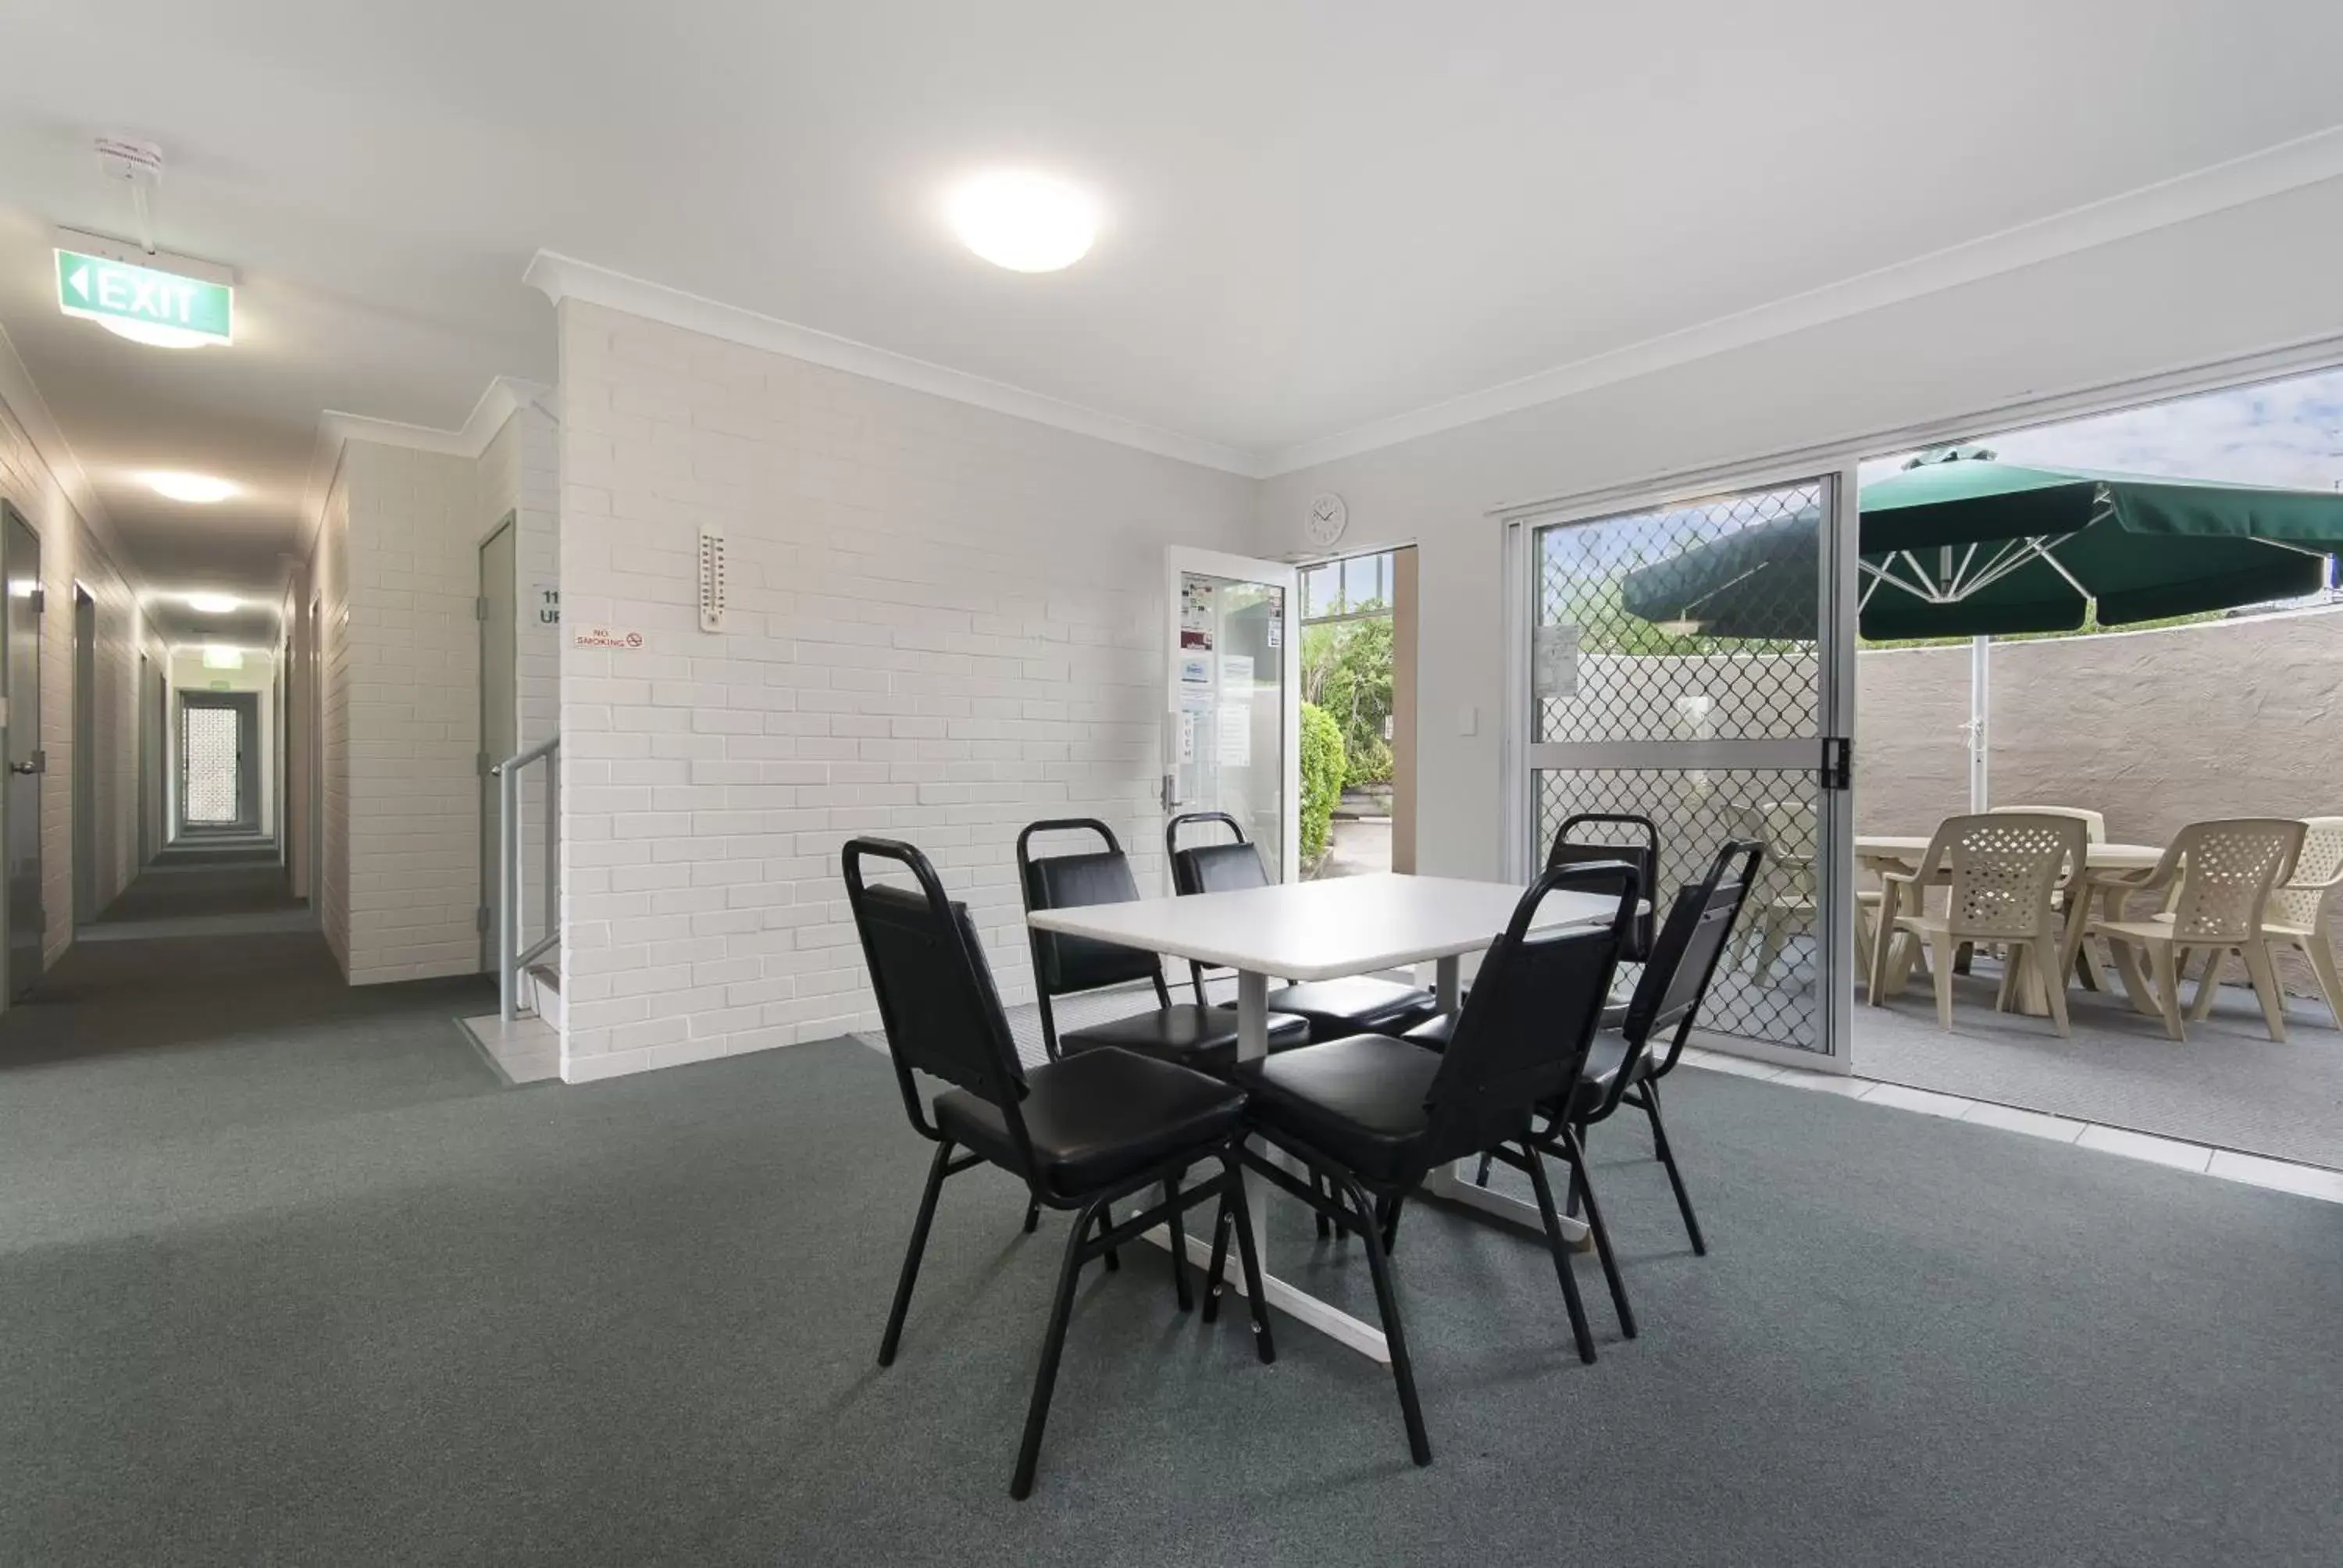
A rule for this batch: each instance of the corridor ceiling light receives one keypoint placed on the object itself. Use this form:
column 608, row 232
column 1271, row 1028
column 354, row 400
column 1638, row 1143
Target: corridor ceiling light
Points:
column 155, row 335
column 1023, row 221
column 198, row 489
column 217, row 657
column 213, row 603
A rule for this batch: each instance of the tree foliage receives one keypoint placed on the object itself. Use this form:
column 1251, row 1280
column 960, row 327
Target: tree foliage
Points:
column 1323, row 764
column 1346, row 670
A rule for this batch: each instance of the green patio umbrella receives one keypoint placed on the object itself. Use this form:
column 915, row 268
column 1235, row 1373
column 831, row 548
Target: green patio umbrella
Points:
column 1960, row 544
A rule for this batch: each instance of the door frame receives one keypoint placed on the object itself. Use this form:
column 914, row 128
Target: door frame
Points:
column 245, row 706
column 31, row 946
column 1180, row 558
column 1837, row 598
column 83, row 762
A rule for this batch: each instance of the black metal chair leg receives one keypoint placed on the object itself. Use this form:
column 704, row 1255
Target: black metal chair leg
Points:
column 894, row 1335
column 1668, row 1159
column 1480, row 1177
column 1325, row 1226
column 1032, row 1215
column 1053, row 1345
column 1390, row 1223
column 1106, row 1223
column 1179, row 1247
column 1387, row 1304
column 1561, row 1249
column 1249, row 1256
column 1582, row 1185
column 1215, row 1276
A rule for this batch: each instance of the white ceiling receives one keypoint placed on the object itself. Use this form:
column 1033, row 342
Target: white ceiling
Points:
column 1321, row 216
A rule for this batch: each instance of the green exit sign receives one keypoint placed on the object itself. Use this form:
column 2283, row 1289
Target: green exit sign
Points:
column 148, row 304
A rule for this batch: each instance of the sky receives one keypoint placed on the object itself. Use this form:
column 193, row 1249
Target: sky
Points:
column 2288, row 433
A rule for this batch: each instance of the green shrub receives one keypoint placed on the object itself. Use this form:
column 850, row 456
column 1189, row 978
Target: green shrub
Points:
column 1323, row 765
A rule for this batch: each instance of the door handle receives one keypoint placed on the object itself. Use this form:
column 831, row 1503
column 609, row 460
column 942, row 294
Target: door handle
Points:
column 24, row 768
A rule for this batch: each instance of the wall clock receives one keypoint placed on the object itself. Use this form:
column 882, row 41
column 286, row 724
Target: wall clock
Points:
column 1328, row 518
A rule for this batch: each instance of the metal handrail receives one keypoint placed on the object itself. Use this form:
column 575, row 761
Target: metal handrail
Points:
column 512, row 959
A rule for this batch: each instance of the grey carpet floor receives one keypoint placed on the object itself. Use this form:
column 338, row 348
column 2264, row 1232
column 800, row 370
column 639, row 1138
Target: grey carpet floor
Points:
column 2228, row 1084
column 204, row 888
column 289, row 1280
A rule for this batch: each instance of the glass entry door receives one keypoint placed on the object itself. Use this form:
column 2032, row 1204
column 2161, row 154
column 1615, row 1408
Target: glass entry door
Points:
column 1232, row 718
column 1685, row 665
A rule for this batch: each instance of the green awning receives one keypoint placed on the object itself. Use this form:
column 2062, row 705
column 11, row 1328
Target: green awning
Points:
column 1963, row 546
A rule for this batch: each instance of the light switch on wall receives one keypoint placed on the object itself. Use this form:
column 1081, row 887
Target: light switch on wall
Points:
column 1468, row 720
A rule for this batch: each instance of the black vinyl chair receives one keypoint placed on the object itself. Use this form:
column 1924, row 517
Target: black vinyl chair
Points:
column 1622, row 1068
column 1642, row 853
column 1627, row 1062
column 1080, row 1133
column 1358, row 1004
column 1372, row 1116
column 1193, row 1035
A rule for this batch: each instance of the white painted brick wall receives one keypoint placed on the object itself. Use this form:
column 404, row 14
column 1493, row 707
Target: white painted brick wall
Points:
column 329, row 568
column 69, row 554
column 407, row 664
column 945, row 623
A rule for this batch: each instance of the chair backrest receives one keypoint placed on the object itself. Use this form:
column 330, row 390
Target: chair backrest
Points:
column 2095, row 823
column 936, row 997
column 1639, row 846
column 1788, row 829
column 2302, row 901
column 1684, row 958
column 1530, row 1018
column 2002, row 869
column 1212, row 868
column 2227, row 870
column 1064, row 964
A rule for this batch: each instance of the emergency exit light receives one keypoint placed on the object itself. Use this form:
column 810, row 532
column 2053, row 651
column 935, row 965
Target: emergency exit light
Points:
column 169, row 302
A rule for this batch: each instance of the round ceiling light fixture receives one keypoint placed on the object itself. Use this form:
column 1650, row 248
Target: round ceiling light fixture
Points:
column 197, row 490
column 214, row 603
column 1024, row 221
column 153, row 334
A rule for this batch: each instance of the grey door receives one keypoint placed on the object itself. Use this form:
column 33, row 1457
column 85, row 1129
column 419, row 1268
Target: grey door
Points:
column 20, row 648
column 499, row 720
column 84, row 757
column 219, row 762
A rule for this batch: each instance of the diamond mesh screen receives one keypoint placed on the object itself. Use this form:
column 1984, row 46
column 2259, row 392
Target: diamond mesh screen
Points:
column 1697, row 624
column 1765, row 985
column 208, row 750
column 1674, row 625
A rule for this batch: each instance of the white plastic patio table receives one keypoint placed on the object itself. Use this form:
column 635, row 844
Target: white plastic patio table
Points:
column 1327, row 930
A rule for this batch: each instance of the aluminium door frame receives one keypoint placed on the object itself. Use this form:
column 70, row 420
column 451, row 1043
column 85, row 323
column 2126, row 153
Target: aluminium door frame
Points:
column 1837, row 597
column 1179, row 559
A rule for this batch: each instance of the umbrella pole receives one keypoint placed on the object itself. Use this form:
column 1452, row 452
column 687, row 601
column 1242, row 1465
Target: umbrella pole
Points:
column 1980, row 720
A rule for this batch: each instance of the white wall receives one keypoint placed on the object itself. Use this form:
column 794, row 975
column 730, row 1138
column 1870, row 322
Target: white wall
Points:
column 70, row 553
column 945, row 623
column 397, row 564
column 2249, row 280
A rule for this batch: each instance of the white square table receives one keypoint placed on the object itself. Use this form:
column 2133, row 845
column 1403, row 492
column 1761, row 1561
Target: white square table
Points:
column 1327, row 930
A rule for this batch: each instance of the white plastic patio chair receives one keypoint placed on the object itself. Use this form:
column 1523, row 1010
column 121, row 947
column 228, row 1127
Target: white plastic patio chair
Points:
column 2298, row 912
column 2000, row 870
column 2218, row 878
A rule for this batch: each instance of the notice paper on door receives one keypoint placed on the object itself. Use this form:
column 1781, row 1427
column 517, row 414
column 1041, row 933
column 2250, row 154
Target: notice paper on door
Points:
column 1236, row 671
column 1236, row 735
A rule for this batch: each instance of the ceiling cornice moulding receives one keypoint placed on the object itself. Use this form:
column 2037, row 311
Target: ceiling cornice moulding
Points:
column 561, row 278
column 502, row 398
column 2290, row 166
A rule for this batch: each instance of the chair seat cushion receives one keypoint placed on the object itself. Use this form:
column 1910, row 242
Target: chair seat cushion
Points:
column 1437, row 1031
column 1203, row 1038
column 1359, row 1004
column 1099, row 1117
column 1360, row 1101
